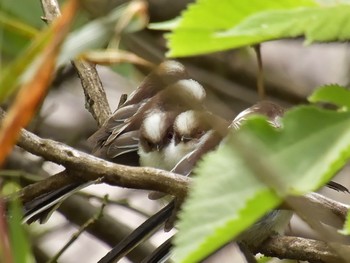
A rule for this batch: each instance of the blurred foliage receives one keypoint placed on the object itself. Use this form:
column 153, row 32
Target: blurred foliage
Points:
column 20, row 245
column 12, row 41
column 259, row 166
column 245, row 23
column 334, row 94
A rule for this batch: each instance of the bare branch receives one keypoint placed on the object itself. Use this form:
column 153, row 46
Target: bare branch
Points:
column 95, row 96
column 90, row 168
column 78, row 210
column 51, row 10
column 93, row 167
column 82, row 228
column 312, row 251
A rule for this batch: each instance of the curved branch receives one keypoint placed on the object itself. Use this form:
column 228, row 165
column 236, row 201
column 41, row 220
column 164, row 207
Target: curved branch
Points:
column 313, row 251
column 90, row 168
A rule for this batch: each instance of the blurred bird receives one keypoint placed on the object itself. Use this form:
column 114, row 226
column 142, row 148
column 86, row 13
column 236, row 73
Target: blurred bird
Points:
column 194, row 134
column 118, row 138
column 164, row 124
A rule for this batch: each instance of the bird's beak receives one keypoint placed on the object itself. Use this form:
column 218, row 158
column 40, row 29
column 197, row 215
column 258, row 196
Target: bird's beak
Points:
column 177, row 141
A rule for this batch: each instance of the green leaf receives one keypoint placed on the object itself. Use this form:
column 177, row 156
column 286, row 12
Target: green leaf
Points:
column 20, row 246
column 28, row 11
column 335, row 94
column 10, row 76
column 16, row 25
column 220, row 26
column 229, row 192
column 19, row 243
column 95, row 34
column 346, row 228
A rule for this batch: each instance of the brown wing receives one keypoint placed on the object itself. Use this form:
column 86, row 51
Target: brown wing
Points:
column 127, row 117
column 209, row 143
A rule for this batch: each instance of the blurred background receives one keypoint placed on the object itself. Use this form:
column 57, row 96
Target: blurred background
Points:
column 291, row 70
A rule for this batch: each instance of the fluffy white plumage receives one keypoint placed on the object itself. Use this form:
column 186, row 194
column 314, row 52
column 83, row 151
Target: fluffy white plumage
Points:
column 192, row 88
column 155, row 126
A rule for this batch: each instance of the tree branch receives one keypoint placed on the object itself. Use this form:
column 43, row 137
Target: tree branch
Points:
column 82, row 229
column 77, row 210
column 312, row 251
column 147, row 178
column 108, row 229
column 95, row 97
column 90, row 168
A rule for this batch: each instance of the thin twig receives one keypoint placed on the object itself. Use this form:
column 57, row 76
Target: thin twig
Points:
column 77, row 210
column 20, row 174
column 122, row 202
column 75, row 236
column 95, row 97
column 109, row 230
column 65, row 155
column 260, row 74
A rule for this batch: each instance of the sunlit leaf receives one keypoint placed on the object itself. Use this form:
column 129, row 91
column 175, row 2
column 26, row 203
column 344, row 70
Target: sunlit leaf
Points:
column 94, row 35
column 254, row 170
column 20, row 245
column 10, row 76
column 17, row 26
column 32, row 93
column 346, row 228
column 217, row 26
column 335, row 94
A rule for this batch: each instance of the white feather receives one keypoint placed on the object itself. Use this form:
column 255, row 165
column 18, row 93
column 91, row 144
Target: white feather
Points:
column 186, row 122
column 154, row 126
column 193, row 88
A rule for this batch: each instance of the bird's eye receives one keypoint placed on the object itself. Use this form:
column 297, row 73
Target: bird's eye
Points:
column 169, row 136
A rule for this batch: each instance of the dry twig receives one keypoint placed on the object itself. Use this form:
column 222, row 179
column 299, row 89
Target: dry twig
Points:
column 95, row 97
column 82, row 228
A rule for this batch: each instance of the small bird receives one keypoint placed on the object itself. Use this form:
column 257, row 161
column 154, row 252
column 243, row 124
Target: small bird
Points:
column 118, row 138
column 165, row 74
column 194, row 134
column 271, row 110
column 157, row 129
column 190, row 129
column 165, row 125
column 275, row 221
column 152, row 109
